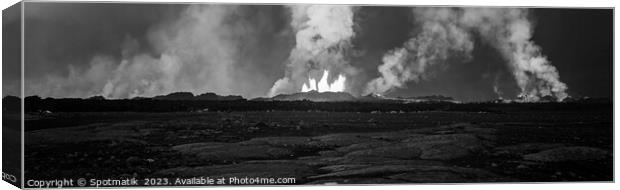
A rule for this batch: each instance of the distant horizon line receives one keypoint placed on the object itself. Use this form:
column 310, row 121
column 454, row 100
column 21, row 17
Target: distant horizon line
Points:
column 245, row 98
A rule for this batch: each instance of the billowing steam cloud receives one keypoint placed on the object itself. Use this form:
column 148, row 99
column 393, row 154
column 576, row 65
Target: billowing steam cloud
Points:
column 323, row 34
column 446, row 32
column 197, row 52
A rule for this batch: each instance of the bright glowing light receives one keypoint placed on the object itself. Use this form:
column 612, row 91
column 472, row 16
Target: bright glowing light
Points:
column 323, row 85
column 306, row 88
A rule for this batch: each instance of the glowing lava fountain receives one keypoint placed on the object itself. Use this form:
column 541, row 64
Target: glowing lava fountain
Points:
column 323, row 85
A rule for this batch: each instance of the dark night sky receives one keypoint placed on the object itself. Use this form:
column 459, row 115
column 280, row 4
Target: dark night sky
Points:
column 578, row 42
column 11, row 59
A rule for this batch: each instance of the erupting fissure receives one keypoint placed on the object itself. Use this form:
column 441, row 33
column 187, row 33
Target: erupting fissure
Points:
column 323, row 85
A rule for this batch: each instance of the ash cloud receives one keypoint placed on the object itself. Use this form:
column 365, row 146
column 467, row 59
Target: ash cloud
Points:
column 446, row 33
column 323, row 35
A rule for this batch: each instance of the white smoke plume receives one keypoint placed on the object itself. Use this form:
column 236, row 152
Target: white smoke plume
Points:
column 496, row 89
column 441, row 36
column 197, row 52
column 447, row 31
column 323, row 36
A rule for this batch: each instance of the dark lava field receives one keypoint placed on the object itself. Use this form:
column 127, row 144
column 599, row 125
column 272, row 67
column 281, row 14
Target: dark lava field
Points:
column 323, row 147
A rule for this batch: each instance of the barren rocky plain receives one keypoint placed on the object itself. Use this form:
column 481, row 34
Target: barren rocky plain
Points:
column 318, row 147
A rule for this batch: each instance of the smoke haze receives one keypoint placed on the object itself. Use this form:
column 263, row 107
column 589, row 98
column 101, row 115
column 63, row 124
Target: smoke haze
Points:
column 198, row 52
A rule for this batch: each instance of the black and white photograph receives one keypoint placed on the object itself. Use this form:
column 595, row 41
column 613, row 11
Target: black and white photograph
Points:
column 123, row 94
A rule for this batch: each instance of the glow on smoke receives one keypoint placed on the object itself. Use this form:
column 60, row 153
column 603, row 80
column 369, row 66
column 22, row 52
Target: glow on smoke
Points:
column 323, row 85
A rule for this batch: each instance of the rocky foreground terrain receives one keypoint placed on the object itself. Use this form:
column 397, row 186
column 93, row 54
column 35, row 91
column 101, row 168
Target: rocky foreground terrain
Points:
column 420, row 155
column 360, row 148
